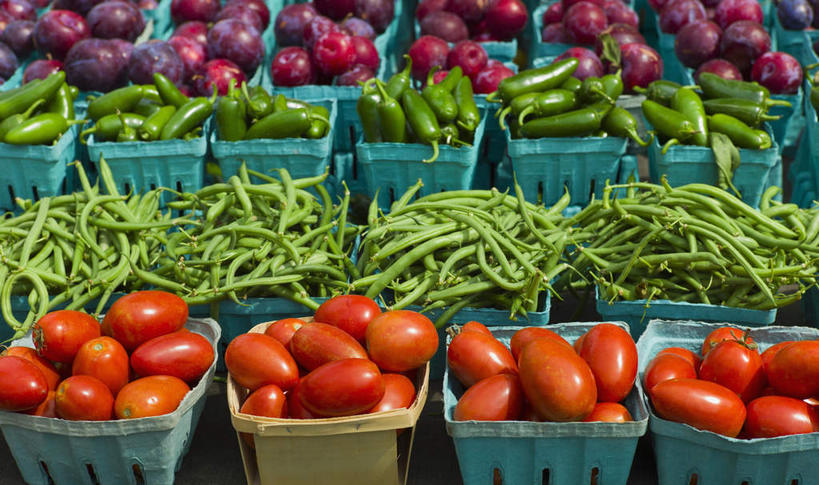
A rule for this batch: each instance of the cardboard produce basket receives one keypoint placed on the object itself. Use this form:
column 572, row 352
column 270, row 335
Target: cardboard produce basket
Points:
column 366, row 449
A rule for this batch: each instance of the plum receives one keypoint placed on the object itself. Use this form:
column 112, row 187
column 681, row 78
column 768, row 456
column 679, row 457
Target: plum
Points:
column 80, row 6
column 96, row 65
column 19, row 9
column 710, row 5
column 642, row 65
column 186, row 10
column 470, row 56
column 428, row 6
column 155, row 56
column 554, row 13
column 444, row 25
column 468, row 10
column 487, row 80
column 124, row 48
column 38, row 4
column 56, row 31
column 743, row 42
column 41, row 69
column 360, row 27
column 334, row 53
column 658, row 5
column 8, row 61
column 19, row 35
column 426, row 52
column 506, row 18
column 365, row 52
column 730, row 11
column 5, row 20
column 777, row 71
column 242, row 13
column 619, row 13
column 621, row 33
column 193, row 54
column 721, row 68
column 292, row 67
column 589, row 66
column 555, row 34
column 115, row 19
column 235, row 40
column 794, row 14
column 195, row 29
column 335, row 9
column 359, row 73
column 315, row 27
column 290, row 23
column 678, row 13
column 217, row 74
column 697, row 42
column 378, row 13
column 257, row 6
column 569, row 3
column 584, row 21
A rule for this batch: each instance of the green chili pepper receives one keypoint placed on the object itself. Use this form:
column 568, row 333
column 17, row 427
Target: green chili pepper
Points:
column 534, row 80
column 297, row 103
column 151, row 128
column 593, row 91
column 714, row 86
column 367, row 109
column 552, row 102
column 62, row 103
column 14, row 120
column 659, row 91
column 41, row 129
column 515, row 107
column 193, row 134
column 579, row 122
column 619, row 122
column 572, row 84
column 814, row 97
column 741, row 134
column 231, row 116
column 423, row 121
column 745, row 110
column 75, row 91
column 107, row 127
column 613, row 84
column 126, row 133
column 146, row 107
column 21, row 100
column 122, row 99
column 687, row 102
column 440, row 99
column 451, row 135
column 400, row 81
column 150, row 92
column 189, row 116
column 318, row 127
column 668, row 122
column 280, row 103
column 168, row 91
column 469, row 117
column 451, row 80
column 284, row 124
column 259, row 103
column 391, row 118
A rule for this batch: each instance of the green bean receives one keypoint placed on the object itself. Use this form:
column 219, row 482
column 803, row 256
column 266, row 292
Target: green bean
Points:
column 35, row 231
column 405, row 199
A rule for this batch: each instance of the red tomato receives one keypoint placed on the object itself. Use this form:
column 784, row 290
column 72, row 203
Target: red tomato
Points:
column 474, row 356
column 47, row 408
column 315, row 344
column 665, row 367
column 84, row 398
column 557, row 382
column 720, row 334
column 399, row 393
column 351, row 313
column 22, row 384
column 769, row 353
column 476, row 327
column 522, row 337
column 140, row 316
column 735, row 366
column 266, row 401
column 688, row 355
column 105, row 359
column 529, row 414
column 794, row 370
column 578, row 344
column 283, row 330
column 610, row 412
column 401, row 340
column 150, row 396
column 47, row 368
column 342, row 388
column 496, row 398
column 612, row 356
column 186, row 355
column 59, row 335
column 772, row 416
column 255, row 360
column 295, row 408
column 702, row 404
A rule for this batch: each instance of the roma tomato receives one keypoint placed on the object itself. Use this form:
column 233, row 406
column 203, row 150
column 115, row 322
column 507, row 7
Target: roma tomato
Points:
column 794, row 370
column 496, row 398
column 84, row 398
column 702, row 404
column 183, row 354
column 733, row 364
column 140, row 316
column 771, row 416
column 351, row 313
column 609, row 412
column 267, row 401
column 612, row 356
column 474, row 356
column 283, row 330
column 295, row 409
column 105, row 359
column 578, row 344
column 401, row 340
column 556, row 381
column 720, row 334
column 22, row 384
column 769, row 353
column 315, row 344
column 59, row 335
column 688, row 355
column 474, row 326
column 399, row 393
column 342, row 388
column 665, row 367
column 255, row 360
column 150, row 396
column 47, row 368
column 522, row 337
column 47, row 408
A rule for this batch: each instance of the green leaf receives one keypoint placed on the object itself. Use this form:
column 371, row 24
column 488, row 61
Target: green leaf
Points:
column 611, row 50
column 726, row 157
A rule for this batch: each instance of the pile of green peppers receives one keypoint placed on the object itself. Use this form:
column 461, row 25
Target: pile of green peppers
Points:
column 252, row 113
column 39, row 112
column 813, row 80
column 734, row 108
column 147, row 112
column 394, row 112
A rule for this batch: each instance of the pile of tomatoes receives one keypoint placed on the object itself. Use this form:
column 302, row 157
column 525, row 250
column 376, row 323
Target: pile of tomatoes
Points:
column 351, row 359
column 140, row 362
column 542, row 377
column 735, row 391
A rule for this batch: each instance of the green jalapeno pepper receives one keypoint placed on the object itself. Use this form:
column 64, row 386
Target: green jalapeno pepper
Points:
column 668, row 122
column 572, row 84
column 552, row 102
column 152, row 127
column 400, row 81
column 741, row 134
column 284, row 124
column 516, row 106
column 367, row 109
column 281, row 103
column 107, row 127
column 613, row 84
column 126, row 133
column 231, row 116
column 534, row 80
column 186, row 118
column 619, row 122
column 21, row 100
column 122, row 99
column 14, row 120
column 391, row 118
column 146, row 107
column 423, row 121
column 168, row 91
column 745, row 110
column 714, row 86
column 42, row 129
column 62, row 103
column 259, row 103
column 659, row 91
column 579, row 122
column 75, row 91
column 439, row 98
column 150, row 92
column 469, row 117
column 318, row 127
column 593, row 91
column 687, row 102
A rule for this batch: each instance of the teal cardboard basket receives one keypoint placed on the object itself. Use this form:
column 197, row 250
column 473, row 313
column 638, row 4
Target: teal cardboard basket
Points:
column 525, row 452
column 37, row 171
column 138, row 451
column 493, row 146
column 790, row 41
column 637, row 313
column 390, row 168
column 300, row 156
column 683, row 452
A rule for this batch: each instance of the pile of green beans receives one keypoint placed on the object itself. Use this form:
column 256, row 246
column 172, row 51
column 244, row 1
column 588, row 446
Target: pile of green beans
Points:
column 471, row 248
column 694, row 243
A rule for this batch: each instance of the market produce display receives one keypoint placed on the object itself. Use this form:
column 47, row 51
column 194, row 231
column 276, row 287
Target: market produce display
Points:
column 38, row 113
column 457, row 20
column 584, row 24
